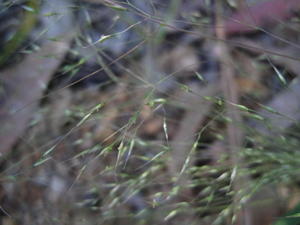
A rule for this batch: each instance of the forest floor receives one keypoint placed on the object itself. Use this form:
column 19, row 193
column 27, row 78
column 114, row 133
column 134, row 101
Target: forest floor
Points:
column 149, row 112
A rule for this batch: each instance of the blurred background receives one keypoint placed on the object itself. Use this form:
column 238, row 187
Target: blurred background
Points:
column 149, row 112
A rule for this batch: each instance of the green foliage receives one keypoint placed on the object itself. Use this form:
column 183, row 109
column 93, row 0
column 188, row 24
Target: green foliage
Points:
column 129, row 168
column 28, row 21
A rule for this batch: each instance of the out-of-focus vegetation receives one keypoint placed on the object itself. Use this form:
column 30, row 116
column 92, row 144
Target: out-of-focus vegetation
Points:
column 149, row 112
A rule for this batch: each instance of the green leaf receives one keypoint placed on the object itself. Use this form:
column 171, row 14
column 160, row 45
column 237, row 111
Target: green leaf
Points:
column 199, row 76
column 49, row 151
column 291, row 218
column 185, row 88
column 171, row 215
column 280, row 76
column 41, row 161
column 95, row 109
column 294, row 216
column 27, row 8
column 104, row 38
column 113, row 5
column 255, row 116
column 241, row 107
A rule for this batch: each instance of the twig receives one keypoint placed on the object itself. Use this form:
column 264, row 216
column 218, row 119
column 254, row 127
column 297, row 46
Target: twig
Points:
column 181, row 145
column 26, row 82
column 234, row 134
